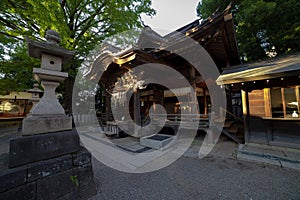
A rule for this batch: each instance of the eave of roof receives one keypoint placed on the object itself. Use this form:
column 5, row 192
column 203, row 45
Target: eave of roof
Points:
column 267, row 69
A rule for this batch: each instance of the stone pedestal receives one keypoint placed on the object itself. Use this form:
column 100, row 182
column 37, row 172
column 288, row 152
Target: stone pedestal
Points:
column 36, row 124
column 47, row 166
column 48, row 115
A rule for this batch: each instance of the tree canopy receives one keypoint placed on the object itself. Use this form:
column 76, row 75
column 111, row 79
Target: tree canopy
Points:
column 82, row 24
column 263, row 27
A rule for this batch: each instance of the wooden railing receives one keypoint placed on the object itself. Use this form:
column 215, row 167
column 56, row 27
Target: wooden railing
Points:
column 85, row 119
column 184, row 120
column 203, row 119
column 181, row 117
column 232, row 115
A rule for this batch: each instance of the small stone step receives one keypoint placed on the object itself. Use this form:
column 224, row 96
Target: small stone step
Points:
column 110, row 133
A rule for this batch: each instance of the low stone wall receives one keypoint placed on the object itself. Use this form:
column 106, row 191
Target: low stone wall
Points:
column 65, row 177
column 46, row 166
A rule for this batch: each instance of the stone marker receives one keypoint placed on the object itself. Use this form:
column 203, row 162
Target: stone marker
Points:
column 48, row 115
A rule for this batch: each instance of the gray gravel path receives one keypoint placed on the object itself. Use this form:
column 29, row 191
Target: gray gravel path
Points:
column 192, row 178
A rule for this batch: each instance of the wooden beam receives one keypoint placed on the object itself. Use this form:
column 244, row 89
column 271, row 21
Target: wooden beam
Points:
column 267, row 101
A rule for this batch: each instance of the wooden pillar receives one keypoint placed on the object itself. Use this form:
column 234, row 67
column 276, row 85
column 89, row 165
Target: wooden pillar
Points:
column 283, row 102
column 205, row 102
column 246, row 113
column 161, row 97
column 229, row 106
column 268, row 112
column 158, row 95
column 298, row 97
column 158, row 98
column 267, row 102
column 193, row 101
column 136, row 107
column 108, row 106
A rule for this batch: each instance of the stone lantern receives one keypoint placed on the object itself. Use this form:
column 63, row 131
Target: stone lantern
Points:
column 35, row 94
column 47, row 160
column 48, row 115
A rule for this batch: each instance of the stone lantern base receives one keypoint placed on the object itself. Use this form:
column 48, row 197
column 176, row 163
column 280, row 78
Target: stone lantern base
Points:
column 47, row 166
column 42, row 124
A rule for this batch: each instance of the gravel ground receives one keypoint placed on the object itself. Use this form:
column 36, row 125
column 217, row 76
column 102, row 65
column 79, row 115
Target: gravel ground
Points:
column 192, row 178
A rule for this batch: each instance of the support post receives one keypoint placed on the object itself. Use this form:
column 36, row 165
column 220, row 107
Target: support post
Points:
column 267, row 101
column 283, row 102
column 298, row 97
column 246, row 113
column 108, row 106
column 136, row 107
column 205, row 101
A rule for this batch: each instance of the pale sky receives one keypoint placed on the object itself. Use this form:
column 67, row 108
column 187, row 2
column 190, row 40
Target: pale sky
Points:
column 171, row 14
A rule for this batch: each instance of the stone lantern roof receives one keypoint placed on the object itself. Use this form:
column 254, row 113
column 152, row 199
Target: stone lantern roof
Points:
column 37, row 48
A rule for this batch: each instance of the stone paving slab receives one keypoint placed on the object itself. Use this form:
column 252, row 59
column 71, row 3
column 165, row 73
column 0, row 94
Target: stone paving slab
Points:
column 290, row 165
column 283, row 157
column 292, row 155
column 251, row 158
column 266, row 151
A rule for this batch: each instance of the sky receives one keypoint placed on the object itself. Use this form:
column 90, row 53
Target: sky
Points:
column 171, row 14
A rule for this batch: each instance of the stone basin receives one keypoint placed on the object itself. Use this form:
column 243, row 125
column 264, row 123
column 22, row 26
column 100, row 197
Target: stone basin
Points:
column 156, row 141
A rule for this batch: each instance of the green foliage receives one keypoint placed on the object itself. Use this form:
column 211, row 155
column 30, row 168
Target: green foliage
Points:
column 261, row 25
column 206, row 7
column 16, row 73
column 74, row 179
column 82, row 24
column 251, row 28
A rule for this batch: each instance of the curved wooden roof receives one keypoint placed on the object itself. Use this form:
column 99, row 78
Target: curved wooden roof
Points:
column 216, row 34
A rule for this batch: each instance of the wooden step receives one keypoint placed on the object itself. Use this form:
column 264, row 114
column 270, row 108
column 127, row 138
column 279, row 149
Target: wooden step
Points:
column 218, row 120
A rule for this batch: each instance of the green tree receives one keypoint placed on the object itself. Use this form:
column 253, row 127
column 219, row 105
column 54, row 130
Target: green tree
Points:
column 262, row 26
column 16, row 73
column 82, row 24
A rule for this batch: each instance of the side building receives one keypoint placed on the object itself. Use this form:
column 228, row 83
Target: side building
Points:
column 15, row 104
column 270, row 99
